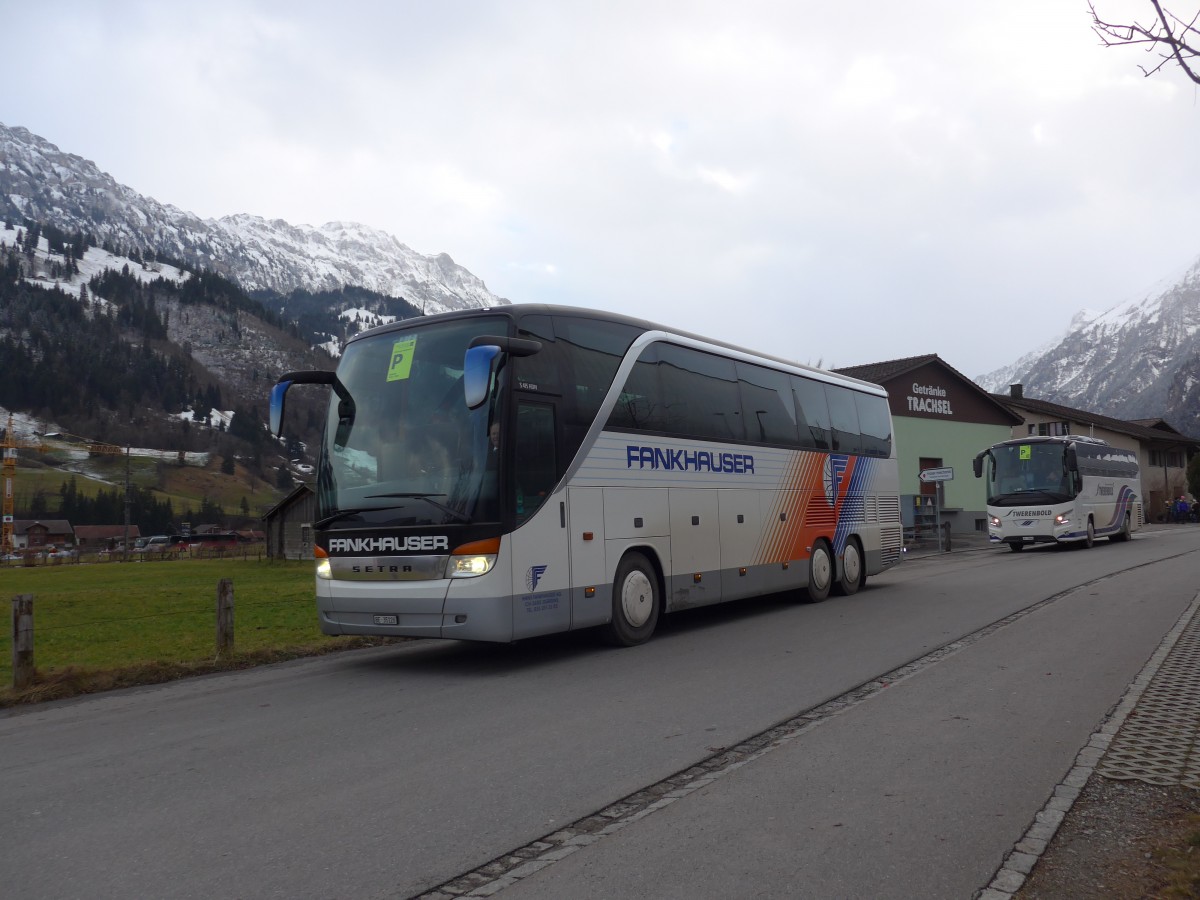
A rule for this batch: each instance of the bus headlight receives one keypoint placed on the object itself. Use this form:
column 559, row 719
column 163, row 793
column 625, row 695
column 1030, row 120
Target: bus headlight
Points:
column 994, row 521
column 324, row 570
column 1062, row 519
column 473, row 559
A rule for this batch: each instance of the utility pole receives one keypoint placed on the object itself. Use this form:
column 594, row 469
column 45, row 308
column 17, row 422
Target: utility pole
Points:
column 128, row 503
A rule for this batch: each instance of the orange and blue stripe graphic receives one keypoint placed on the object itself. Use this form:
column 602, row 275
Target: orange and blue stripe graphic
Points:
column 820, row 495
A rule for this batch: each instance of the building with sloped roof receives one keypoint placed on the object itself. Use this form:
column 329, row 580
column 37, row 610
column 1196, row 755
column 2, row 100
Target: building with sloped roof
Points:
column 289, row 525
column 941, row 420
column 104, row 537
column 31, row 534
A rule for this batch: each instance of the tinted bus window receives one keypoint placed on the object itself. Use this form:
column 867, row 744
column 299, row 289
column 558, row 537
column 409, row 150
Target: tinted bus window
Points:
column 812, row 413
column 844, row 417
column 700, row 394
column 592, row 351
column 640, row 406
column 875, row 422
column 767, row 406
column 542, row 371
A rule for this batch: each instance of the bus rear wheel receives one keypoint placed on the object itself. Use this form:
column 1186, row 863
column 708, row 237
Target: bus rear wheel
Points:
column 853, row 574
column 820, row 572
column 1125, row 532
column 636, row 602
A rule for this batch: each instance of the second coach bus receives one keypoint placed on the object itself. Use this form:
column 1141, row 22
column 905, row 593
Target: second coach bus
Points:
column 1059, row 490
column 502, row 473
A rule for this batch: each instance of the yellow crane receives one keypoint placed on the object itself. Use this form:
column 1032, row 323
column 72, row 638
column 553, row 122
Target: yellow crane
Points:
column 8, row 471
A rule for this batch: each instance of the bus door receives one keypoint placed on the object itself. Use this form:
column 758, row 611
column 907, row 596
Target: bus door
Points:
column 541, row 573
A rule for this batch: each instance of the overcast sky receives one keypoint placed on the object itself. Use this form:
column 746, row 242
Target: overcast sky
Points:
column 837, row 183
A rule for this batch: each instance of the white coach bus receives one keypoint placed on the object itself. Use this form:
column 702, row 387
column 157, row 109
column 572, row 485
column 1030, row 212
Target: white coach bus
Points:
column 1054, row 490
column 496, row 474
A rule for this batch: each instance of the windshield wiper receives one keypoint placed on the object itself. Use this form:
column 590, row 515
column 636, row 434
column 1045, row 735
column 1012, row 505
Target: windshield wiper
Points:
column 428, row 498
column 346, row 513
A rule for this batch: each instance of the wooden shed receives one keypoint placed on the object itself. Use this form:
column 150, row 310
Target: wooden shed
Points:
column 288, row 525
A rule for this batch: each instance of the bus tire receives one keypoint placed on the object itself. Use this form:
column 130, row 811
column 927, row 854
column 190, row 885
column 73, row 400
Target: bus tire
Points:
column 636, row 601
column 1090, row 538
column 853, row 573
column 820, row 572
column 1016, row 548
column 1125, row 532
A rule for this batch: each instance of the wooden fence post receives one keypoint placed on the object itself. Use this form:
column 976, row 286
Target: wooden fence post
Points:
column 22, row 641
column 224, row 616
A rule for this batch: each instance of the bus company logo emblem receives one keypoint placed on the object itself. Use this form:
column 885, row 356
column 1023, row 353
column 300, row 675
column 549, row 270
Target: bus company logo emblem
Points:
column 408, row 544
column 533, row 576
column 833, row 475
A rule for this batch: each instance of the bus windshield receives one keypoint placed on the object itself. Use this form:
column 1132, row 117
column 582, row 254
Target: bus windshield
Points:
column 407, row 450
column 1027, row 473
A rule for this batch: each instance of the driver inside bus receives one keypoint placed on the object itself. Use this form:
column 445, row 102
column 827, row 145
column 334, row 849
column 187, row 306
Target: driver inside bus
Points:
column 1051, row 477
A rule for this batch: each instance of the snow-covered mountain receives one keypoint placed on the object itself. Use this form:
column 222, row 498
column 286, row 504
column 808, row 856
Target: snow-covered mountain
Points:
column 1138, row 360
column 42, row 183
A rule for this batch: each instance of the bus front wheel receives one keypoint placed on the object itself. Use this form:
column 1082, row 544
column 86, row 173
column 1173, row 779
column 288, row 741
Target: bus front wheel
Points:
column 635, row 603
column 820, row 572
column 852, row 570
column 1090, row 537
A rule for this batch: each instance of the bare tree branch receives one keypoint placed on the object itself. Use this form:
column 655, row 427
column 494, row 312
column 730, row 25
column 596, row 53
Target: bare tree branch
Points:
column 1170, row 37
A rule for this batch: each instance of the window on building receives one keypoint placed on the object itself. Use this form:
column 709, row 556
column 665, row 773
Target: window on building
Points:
column 1050, row 429
column 1169, row 458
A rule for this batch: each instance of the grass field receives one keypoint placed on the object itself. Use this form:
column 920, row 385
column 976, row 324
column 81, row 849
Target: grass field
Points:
column 101, row 626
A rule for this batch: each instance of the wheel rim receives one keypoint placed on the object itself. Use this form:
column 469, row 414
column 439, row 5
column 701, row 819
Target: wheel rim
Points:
column 852, row 564
column 1091, row 533
column 822, row 571
column 637, row 598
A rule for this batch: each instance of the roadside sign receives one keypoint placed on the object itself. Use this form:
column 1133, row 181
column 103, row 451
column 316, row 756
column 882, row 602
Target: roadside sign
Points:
column 946, row 473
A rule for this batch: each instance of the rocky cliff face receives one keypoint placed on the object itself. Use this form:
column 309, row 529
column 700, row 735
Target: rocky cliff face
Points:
column 1138, row 360
column 42, row 183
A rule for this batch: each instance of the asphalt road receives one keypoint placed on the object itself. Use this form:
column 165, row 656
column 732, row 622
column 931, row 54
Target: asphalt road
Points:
column 389, row 772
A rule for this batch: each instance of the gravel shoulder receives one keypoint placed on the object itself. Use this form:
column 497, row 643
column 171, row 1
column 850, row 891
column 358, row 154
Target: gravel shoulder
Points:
column 1122, row 839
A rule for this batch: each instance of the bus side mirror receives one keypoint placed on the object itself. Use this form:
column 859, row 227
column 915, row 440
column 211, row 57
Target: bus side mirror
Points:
column 977, row 466
column 278, row 393
column 477, row 373
column 346, row 407
column 479, row 363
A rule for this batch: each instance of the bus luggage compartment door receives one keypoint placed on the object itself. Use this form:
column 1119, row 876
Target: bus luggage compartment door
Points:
column 585, row 523
column 695, row 549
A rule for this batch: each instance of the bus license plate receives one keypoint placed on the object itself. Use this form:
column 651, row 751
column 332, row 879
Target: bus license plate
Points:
column 387, row 620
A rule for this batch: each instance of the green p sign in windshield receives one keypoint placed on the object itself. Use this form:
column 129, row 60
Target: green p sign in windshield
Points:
column 1026, row 450
column 402, row 357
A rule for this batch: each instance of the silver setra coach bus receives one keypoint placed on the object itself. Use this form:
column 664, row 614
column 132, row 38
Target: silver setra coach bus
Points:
column 501, row 473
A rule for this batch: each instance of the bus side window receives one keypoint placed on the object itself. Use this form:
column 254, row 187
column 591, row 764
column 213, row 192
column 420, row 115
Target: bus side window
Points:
column 535, row 457
column 843, row 415
column 812, row 413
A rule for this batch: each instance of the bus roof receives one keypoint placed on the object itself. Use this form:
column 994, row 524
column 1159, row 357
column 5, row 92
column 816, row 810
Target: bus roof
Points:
column 1052, row 439
column 522, row 309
